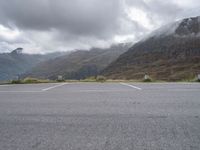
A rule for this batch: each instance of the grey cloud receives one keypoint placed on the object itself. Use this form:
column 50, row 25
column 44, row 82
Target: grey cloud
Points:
column 88, row 17
column 72, row 24
column 158, row 10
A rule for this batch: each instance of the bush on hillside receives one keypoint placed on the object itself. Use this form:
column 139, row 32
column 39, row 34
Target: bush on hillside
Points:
column 100, row 79
column 31, row 80
column 147, row 80
column 16, row 82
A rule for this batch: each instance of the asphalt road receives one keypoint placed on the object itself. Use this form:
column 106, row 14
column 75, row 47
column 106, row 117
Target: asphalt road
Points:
column 95, row 116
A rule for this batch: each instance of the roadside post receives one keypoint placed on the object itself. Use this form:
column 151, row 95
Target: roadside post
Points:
column 60, row 78
column 146, row 77
column 198, row 77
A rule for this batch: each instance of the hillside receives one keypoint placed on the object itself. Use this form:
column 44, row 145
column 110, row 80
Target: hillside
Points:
column 170, row 53
column 16, row 63
column 79, row 64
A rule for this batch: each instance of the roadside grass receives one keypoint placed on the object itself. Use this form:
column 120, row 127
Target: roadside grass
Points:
column 31, row 81
column 97, row 79
column 101, row 79
column 89, row 79
column 197, row 80
column 194, row 79
column 148, row 80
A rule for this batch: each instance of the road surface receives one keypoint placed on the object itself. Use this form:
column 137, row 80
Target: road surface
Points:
column 100, row 116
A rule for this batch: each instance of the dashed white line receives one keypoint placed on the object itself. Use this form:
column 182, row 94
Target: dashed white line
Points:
column 52, row 87
column 132, row 86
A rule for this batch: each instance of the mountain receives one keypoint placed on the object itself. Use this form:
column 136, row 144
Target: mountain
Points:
column 79, row 64
column 15, row 63
column 170, row 53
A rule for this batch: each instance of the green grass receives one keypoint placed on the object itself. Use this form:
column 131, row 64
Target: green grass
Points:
column 101, row 79
column 30, row 81
column 95, row 79
column 147, row 80
column 16, row 82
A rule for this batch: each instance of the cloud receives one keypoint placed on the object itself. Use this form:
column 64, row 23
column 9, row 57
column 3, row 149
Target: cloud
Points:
column 49, row 25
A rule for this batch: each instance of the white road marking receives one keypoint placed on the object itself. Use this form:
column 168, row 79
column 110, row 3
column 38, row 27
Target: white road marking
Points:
column 52, row 87
column 132, row 86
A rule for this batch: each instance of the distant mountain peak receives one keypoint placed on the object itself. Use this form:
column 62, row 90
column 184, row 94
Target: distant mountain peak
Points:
column 17, row 51
column 189, row 26
column 184, row 27
column 170, row 53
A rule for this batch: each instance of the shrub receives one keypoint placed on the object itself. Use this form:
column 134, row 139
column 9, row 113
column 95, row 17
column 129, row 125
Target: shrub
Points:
column 60, row 80
column 198, row 78
column 31, row 80
column 89, row 79
column 100, row 79
column 16, row 82
column 147, row 80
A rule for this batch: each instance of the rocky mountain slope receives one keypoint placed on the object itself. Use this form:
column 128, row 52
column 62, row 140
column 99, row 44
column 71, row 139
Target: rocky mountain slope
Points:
column 170, row 53
column 15, row 63
column 79, row 64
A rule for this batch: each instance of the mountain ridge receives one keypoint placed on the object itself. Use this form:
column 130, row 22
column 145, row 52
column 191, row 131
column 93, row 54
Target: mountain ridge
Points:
column 79, row 64
column 16, row 62
column 172, row 56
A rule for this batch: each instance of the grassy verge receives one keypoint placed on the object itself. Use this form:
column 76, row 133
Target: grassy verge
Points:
column 98, row 79
column 31, row 81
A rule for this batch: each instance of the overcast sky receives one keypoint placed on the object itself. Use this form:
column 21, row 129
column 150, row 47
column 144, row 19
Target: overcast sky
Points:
column 41, row 26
